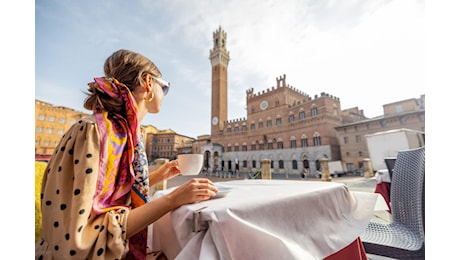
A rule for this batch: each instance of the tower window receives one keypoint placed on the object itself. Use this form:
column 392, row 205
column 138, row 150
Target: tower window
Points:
column 304, row 142
column 270, row 146
column 301, row 115
column 314, row 111
column 280, row 144
column 317, row 141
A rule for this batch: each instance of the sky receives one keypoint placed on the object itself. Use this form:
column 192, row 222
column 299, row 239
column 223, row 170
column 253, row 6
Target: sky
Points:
column 367, row 53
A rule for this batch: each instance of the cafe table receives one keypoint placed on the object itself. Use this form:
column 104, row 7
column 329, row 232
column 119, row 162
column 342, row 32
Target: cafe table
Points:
column 267, row 219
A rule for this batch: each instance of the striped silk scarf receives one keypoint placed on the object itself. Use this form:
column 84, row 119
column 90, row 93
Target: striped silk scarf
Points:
column 123, row 169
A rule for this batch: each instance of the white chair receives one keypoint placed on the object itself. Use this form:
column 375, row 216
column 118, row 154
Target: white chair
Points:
column 404, row 236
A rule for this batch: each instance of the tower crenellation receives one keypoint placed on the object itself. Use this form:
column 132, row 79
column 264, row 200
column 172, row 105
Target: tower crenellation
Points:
column 238, row 120
column 281, row 84
column 281, row 81
column 324, row 94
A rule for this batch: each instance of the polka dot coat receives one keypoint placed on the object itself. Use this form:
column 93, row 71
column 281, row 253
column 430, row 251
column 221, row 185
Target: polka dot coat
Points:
column 70, row 229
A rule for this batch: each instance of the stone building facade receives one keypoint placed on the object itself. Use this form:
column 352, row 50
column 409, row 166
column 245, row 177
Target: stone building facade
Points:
column 165, row 143
column 409, row 114
column 51, row 122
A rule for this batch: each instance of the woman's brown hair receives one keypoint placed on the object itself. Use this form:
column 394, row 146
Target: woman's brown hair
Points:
column 127, row 67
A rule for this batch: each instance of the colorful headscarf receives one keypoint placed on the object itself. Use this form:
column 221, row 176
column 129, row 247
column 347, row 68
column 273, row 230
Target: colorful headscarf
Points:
column 123, row 167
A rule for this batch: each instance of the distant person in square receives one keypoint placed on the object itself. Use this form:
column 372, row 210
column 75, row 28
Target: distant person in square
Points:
column 94, row 196
column 304, row 173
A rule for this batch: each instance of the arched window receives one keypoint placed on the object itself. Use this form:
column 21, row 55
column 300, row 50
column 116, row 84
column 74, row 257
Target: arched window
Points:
column 261, row 124
column 269, row 122
column 281, row 164
column 304, row 141
column 316, row 139
column 301, row 114
column 314, row 110
column 270, row 145
column 280, row 143
column 261, row 145
column 294, row 164
column 293, row 142
column 291, row 118
column 278, row 120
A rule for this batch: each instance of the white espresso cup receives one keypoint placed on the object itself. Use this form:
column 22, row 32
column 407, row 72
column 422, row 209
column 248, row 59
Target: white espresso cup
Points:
column 190, row 164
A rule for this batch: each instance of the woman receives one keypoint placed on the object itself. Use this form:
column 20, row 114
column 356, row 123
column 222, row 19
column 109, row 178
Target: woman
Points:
column 95, row 189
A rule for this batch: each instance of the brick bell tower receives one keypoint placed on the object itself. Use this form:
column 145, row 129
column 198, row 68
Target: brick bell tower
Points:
column 219, row 57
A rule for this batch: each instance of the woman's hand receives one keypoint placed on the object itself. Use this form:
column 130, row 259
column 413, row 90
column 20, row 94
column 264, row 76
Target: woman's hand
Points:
column 196, row 189
column 164, row 172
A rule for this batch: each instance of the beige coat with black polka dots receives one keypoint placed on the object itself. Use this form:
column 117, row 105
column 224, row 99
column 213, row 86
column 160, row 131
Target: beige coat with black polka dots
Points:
column 70, row 229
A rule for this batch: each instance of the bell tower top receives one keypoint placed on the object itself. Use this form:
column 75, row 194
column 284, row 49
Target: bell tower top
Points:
column 219, row 54
column 219, row 39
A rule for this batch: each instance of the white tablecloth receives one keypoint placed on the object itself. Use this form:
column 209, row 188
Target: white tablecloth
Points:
column 266, row 219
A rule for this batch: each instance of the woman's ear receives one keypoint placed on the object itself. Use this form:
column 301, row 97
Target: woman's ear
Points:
column 148, row 83
column 148, row 91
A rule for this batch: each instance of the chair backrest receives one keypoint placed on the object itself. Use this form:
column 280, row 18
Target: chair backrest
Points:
column 390, row 163
column 408, row 190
